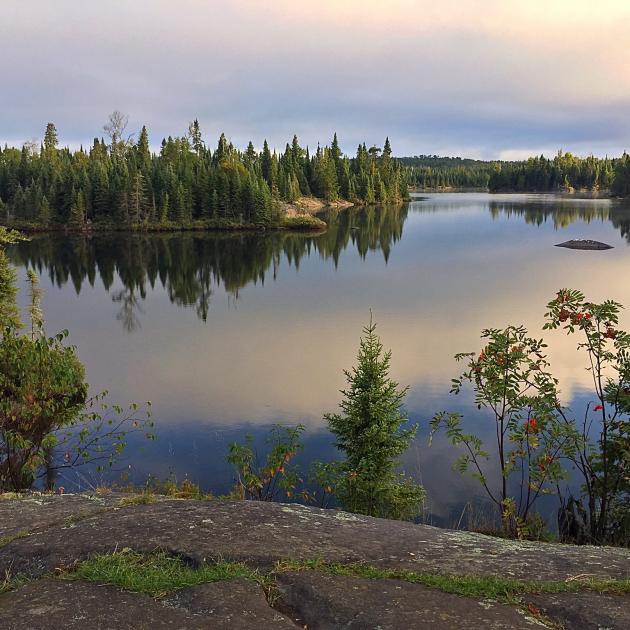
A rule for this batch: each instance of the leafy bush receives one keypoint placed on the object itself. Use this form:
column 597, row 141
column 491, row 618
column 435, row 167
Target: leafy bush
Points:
column 597, row 445
column 303, row 222
column 510, row 378
column 47, row 421
column 538, row 440
column 42, row 389
column 265, row 481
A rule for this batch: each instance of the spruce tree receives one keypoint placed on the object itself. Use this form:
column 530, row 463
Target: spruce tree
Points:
column 50, row 138
column 267, row 165
column 194, row 131
column 137, row 199
column 143, row 150
column 370, row 431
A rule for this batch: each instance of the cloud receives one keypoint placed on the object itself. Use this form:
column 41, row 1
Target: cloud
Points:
column 466, row 76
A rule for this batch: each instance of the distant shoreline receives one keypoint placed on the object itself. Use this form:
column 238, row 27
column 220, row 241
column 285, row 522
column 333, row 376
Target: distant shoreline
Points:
column 571, row 194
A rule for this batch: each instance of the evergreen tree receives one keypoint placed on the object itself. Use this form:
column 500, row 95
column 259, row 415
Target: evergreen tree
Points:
column 370, row 432
column 267, row 165
column 50, row 139
column 143, row 150
column 250, row 156
column 77, row 211
column 164, row 209
column 137, row 200
column 194, row 131
column 222, row 150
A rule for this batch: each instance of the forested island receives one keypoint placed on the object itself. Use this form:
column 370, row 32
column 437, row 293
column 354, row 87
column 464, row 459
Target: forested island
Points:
column 120, row 183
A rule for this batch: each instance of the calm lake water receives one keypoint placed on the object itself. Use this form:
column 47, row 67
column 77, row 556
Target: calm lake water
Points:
column 227, row 334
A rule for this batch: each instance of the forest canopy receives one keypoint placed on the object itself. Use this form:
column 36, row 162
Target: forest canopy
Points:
column 120, row 182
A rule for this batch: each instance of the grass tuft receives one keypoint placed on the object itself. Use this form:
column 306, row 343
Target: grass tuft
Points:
column 143, row 498
column 156, row 574
column 8, row 582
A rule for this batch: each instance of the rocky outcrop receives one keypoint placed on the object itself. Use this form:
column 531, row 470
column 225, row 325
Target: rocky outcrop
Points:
column 41, row 535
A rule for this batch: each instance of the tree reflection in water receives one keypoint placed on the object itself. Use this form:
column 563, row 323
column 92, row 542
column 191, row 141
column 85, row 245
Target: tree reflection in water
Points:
column 191, row 265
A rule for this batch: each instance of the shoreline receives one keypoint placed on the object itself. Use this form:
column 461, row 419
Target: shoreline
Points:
column 574, row 194
column 297, row 216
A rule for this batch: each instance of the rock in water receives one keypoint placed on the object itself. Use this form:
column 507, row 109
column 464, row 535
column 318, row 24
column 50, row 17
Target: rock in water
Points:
column 584, row 244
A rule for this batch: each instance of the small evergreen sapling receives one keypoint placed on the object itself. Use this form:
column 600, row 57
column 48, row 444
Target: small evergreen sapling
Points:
column 370, row 431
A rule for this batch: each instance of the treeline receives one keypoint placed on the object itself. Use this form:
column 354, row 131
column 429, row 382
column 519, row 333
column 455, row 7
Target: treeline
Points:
column 122, row 183
column 565, row 172
column 431, row 172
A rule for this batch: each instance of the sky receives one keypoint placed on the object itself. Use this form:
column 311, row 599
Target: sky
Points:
column 477, row 78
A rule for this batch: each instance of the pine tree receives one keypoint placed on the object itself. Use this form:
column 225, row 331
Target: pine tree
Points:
column 335, row 151
column 137, row 200
column 370, row 433
column 50, row 139
column 297, row 153
column 164, row 210
column 267, row 165
column 250, row 156
column 387, row 149
column 194, row 131
column 77, row 211
column 143, row 150
column 222, row 150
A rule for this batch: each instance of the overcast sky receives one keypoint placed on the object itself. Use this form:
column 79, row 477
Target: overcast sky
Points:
column 481, row 78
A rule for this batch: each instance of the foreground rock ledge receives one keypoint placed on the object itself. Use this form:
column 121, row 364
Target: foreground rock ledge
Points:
column 39, row 534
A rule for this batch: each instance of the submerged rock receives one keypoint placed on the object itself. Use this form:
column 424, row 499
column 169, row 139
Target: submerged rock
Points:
column 586, row 244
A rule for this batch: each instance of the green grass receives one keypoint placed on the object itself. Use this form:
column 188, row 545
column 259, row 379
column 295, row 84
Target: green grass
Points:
column 9, row 583
column 156, row 574
column 159, row 573
column 143, row 498
column 502, row 589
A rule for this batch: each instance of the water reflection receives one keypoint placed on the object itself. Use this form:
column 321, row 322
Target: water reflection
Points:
column 233, row 332
column 189, row 265
column 562, row 212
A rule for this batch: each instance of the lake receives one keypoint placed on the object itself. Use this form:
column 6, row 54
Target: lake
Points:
column 228, row 334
